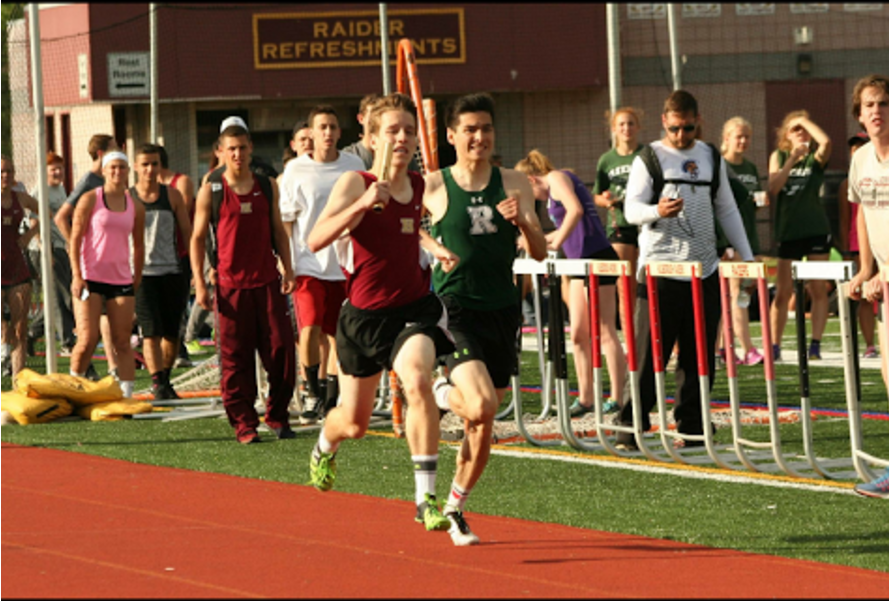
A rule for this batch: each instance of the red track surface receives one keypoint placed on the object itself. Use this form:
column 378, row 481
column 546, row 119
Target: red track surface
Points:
column 81, row 526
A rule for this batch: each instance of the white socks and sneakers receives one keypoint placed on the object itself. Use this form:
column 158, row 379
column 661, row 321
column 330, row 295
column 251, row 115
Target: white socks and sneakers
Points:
column 460, row 532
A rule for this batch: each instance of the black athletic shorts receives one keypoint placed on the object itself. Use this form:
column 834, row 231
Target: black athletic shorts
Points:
column 489, row 336
column 160, row 303
column 109, row 291
column 606, row 254
column 797, row 249
column 625, row 235
column 368, row 341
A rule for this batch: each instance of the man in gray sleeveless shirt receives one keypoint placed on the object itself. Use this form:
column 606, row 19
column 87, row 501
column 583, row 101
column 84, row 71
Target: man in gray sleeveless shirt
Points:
column 162, row 296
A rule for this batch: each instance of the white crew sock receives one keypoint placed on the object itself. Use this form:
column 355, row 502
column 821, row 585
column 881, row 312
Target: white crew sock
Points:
column 127, row 387
column 456, row 500
column 324, row 445
column 440, row 390
column 425, row 469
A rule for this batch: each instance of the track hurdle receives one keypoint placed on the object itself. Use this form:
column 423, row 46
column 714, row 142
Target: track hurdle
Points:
column 535, row 269
column 761, row 450
column 860, row 457
column 590, row 270
column 840, row 272
column 692, row 271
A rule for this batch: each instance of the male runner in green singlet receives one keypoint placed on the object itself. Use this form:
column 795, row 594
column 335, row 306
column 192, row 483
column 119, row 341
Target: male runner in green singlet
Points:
column 473, row 215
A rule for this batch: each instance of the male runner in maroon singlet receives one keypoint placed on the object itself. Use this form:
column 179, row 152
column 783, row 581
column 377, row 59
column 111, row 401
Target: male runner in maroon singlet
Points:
column 391, row 318
column 252, row 310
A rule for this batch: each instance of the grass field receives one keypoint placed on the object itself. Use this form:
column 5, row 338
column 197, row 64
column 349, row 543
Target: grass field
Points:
column 825, row 524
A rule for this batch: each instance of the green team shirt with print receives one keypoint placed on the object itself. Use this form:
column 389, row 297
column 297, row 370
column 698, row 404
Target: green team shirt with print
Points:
column 475, row 231
column 612, row 173
column 749, row 176
column 799, row 213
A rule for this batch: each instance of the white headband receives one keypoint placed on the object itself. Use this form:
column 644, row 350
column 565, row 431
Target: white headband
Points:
column 230, row 121
column 114, row 155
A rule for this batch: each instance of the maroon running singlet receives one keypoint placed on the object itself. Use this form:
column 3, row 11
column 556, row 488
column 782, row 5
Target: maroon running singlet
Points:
column 390, row 238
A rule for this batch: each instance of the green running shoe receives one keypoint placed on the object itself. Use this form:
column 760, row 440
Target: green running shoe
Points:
column 429, row 514
column 194, row 347
column 322, row 470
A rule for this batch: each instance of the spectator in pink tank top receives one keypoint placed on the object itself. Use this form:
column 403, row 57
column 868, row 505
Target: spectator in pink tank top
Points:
column 104, row 273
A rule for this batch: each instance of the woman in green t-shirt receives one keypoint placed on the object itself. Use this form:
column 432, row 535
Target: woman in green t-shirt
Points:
column 612, row 173
column 736, row 135
column 796, row 173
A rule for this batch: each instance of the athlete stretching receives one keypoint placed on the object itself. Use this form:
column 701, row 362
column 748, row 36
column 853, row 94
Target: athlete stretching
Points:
column 474, row 216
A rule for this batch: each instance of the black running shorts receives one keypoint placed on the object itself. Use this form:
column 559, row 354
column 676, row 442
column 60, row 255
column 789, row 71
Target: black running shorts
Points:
column 625, row 235
column 160, row 303
column 606, row 254
column 489, row 336
column 797, row 249
column 368, row 341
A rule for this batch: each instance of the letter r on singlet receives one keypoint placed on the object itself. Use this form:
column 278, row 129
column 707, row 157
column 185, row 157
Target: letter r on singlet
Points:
column 482, row 220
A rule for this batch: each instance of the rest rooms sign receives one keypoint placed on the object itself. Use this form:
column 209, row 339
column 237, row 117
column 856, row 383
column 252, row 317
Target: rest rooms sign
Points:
column 129, row 74
column 352, row 39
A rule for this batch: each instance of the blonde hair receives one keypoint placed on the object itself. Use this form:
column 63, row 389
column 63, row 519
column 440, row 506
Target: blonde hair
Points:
column 781, row 141
column 393, row 102
column 630, row 110
column 731, row 125
column 536, row 163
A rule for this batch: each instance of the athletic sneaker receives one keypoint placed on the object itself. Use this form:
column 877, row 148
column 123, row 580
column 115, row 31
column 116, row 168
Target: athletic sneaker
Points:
column 722, row 356
column 627, row 447
column 578, row 410
column 815, row 351
column 284, row 432
column 429, row 514
column 163, row 392
column 610, row 407
column 870, row 353
column 92, row 374
column 322, row 471
column 311, row 411
column 753, row 357
column 460, row 531
column 878, row 489
column 249, row 437
column 194, row 347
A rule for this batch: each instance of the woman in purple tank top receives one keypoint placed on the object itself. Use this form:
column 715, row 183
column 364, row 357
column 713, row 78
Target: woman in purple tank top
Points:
column 104, row 273
column 579, row 235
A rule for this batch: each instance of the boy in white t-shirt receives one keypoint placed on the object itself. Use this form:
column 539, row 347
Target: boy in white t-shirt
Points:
column 869, row 187
column 320, row 282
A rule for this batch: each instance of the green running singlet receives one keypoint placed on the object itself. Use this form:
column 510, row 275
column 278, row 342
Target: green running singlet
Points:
column 476, row 232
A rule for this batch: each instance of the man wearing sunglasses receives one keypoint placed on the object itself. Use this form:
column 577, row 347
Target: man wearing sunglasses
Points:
column 678, row 226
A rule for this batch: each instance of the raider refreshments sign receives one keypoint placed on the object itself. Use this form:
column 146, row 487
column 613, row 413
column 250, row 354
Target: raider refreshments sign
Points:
column 352, row 39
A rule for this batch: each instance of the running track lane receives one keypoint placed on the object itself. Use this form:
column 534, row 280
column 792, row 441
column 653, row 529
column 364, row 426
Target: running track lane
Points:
column 76, row 525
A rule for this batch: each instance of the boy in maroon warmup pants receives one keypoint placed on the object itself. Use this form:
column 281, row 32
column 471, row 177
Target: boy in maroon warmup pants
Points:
column 250, row 293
